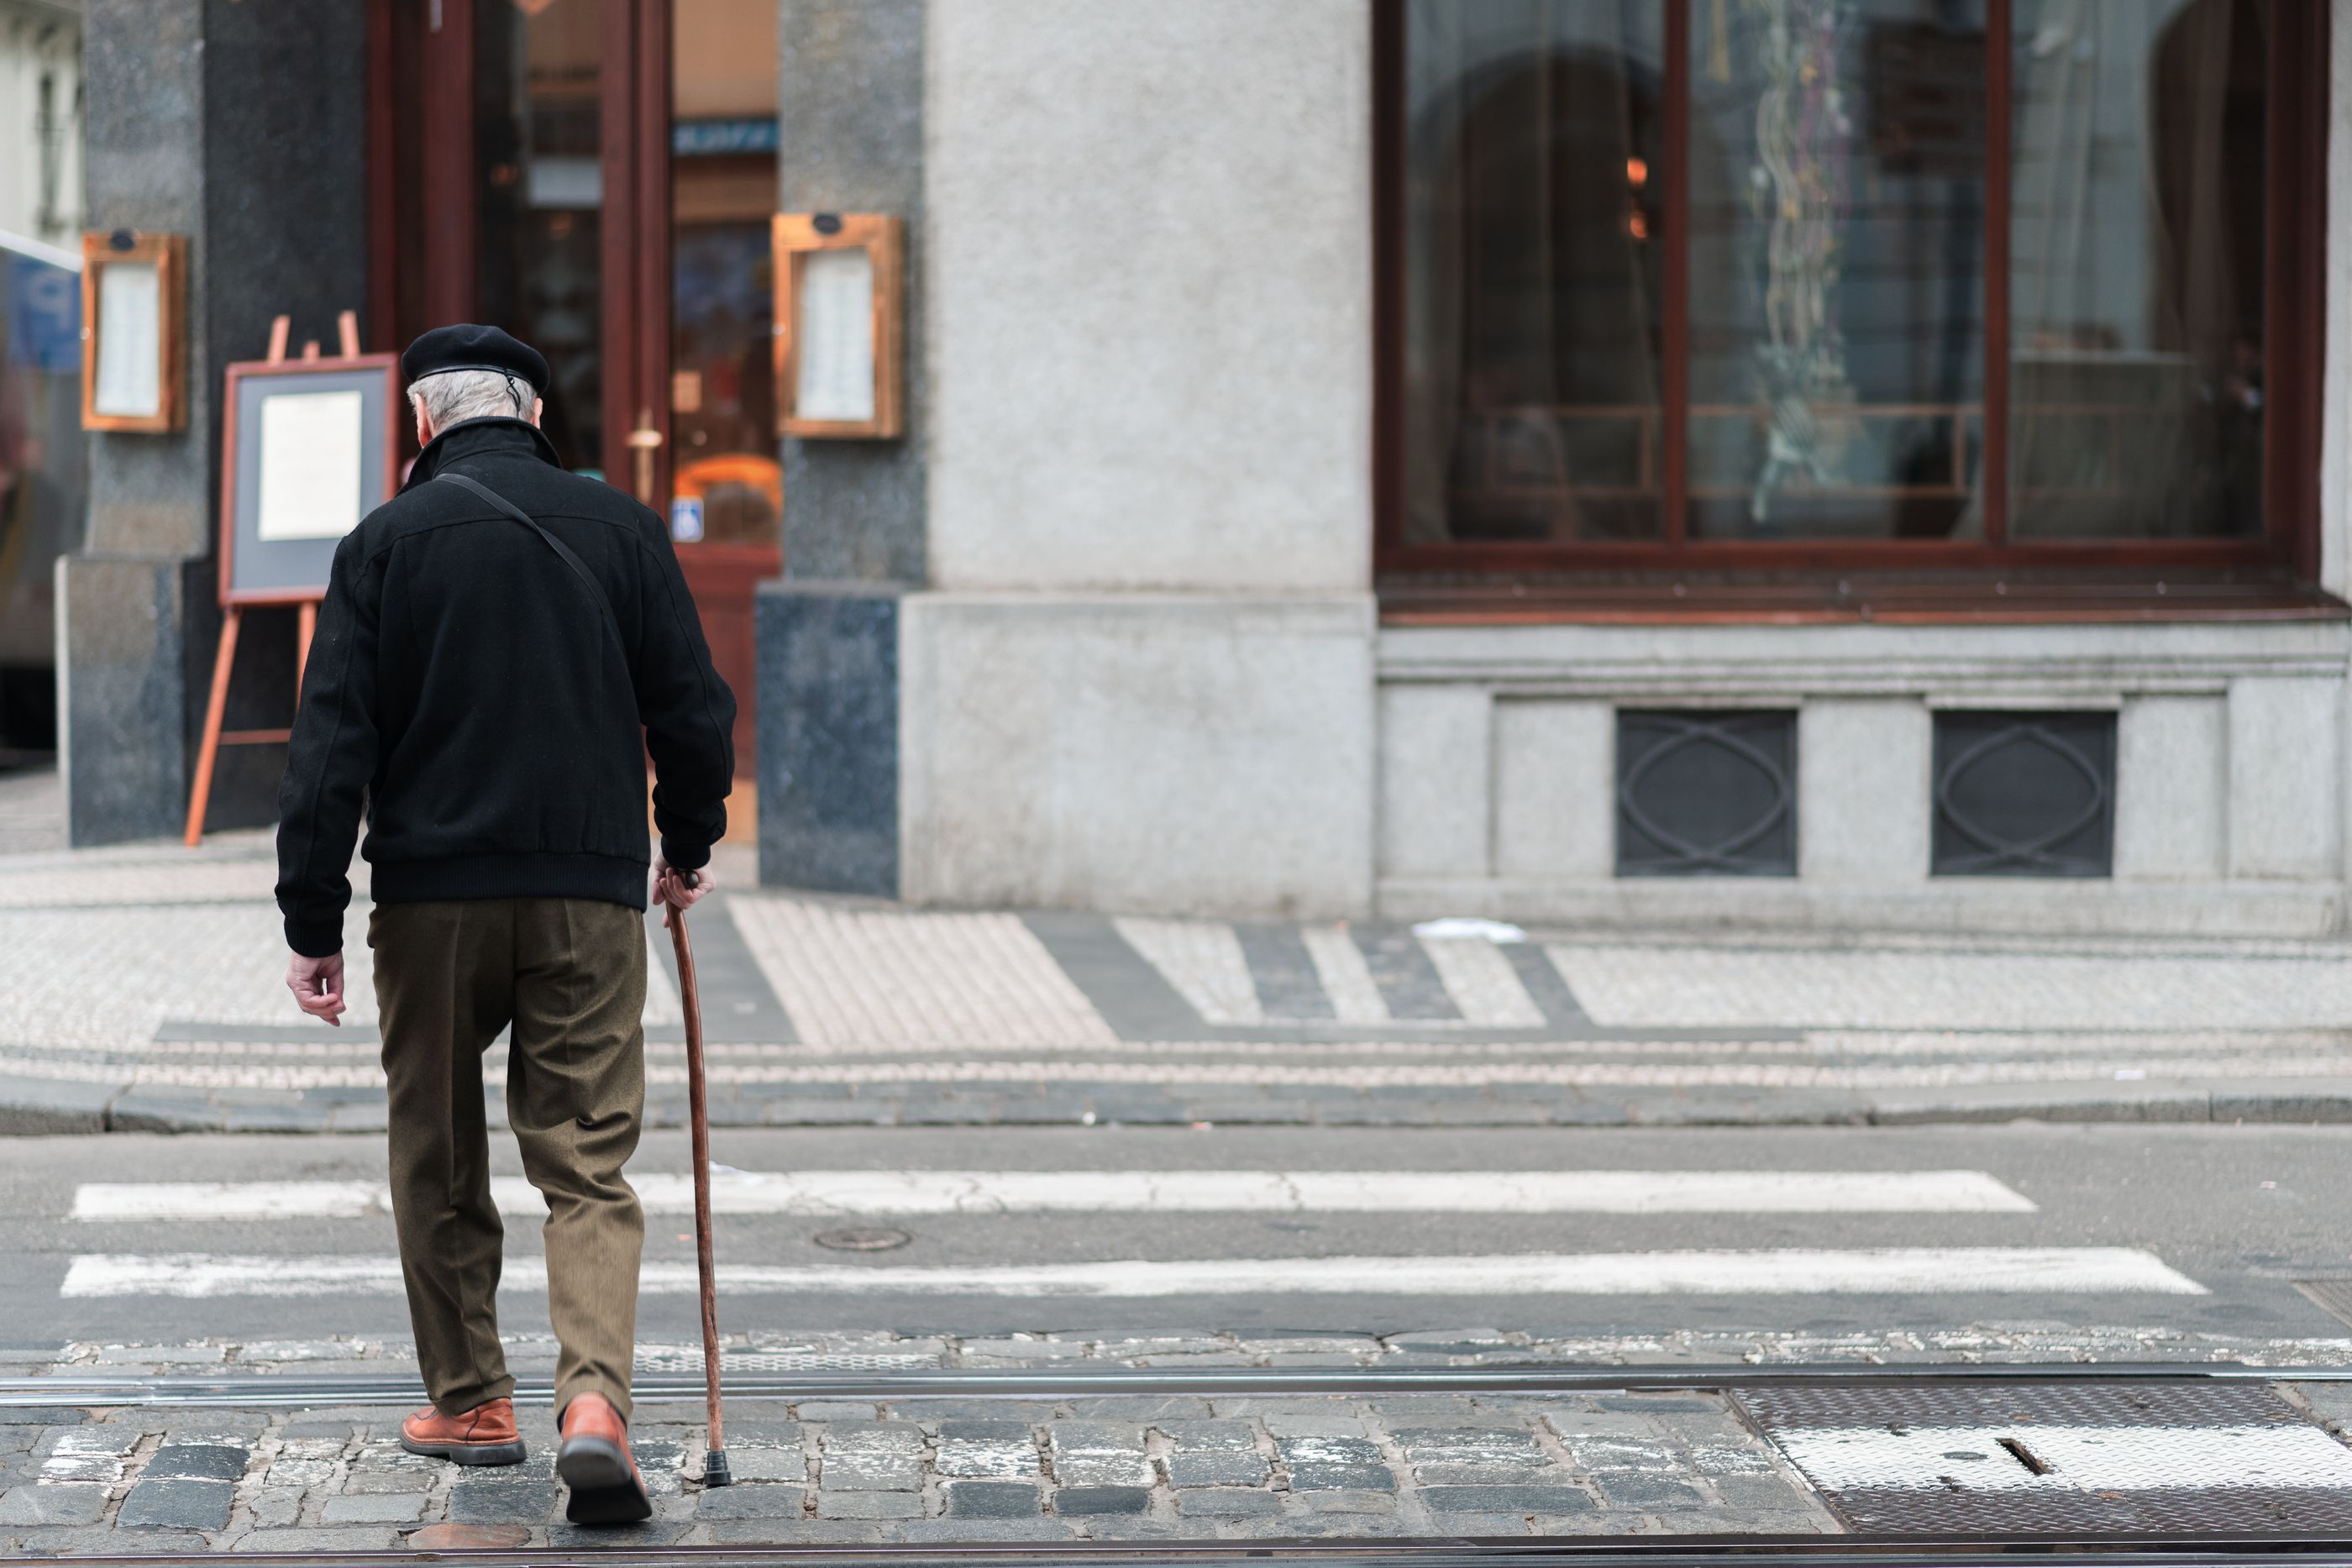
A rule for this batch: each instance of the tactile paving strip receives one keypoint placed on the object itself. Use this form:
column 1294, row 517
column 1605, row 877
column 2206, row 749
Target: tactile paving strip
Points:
column 2061, row 1458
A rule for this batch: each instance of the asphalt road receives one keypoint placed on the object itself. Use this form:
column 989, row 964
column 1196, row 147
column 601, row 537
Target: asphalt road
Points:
column 2234, row 1215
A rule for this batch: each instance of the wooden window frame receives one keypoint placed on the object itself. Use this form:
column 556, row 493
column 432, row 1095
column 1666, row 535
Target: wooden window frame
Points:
column 2287, row 553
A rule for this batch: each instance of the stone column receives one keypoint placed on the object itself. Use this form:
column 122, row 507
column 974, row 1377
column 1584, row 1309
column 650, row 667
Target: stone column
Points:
column 850, row 89
column 242, row 126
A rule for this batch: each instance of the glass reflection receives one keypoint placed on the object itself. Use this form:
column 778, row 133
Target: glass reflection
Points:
column 1533, row 269
column 2136, row 253
column 1836, row 283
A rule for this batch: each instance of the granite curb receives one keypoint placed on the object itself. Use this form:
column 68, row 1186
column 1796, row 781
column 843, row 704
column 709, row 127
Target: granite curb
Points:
column 62, row 1106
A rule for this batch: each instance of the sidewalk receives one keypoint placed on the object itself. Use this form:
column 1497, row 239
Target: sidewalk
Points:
column 1150, row 1465
column 145, row 991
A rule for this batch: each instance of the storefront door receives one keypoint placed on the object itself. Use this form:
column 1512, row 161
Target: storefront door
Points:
column 596, row 176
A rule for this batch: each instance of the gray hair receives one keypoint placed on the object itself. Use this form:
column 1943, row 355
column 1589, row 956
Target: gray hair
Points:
column 452, row 397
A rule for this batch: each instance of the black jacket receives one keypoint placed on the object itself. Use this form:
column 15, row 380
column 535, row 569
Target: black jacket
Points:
column 466, row 680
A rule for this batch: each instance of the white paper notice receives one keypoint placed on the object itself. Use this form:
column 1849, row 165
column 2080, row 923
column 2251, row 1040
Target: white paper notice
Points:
column 310, row 449
column 129, row 333
column 836, row 352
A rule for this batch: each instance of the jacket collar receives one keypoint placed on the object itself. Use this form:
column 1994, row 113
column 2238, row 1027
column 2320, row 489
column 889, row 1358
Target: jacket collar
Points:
column 475, row 437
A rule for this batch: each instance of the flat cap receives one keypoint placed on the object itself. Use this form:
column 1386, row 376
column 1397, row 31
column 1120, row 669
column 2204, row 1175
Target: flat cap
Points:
column 466, row 346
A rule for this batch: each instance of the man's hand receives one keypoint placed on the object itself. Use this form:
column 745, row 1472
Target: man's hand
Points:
column 679, row 890
column 318, row 986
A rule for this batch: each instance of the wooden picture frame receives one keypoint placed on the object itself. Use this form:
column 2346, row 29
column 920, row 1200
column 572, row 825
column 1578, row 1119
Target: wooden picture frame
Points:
column 825, row 260
column 293, row 567
column 141, row 379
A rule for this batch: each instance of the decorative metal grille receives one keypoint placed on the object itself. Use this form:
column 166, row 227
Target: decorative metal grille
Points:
column 1706, row 794
column 2024, row 794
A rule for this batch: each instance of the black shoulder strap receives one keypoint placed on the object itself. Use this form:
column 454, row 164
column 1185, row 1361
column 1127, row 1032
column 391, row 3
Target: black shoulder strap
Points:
column 579, row 567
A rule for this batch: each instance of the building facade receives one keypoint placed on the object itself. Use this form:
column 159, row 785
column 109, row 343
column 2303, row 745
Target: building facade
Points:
column 1825, row 463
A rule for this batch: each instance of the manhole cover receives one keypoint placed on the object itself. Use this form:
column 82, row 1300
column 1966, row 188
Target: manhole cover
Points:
column 2061, row 1458
column 2331, row 1296
column 860, row 1240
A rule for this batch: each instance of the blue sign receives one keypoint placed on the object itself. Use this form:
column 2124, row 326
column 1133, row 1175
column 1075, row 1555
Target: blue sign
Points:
column 711, row 138
column 685, row 519
column 43, row 324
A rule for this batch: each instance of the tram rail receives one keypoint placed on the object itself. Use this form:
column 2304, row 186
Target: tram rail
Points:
column 1568, row 1551
column 279, row 1390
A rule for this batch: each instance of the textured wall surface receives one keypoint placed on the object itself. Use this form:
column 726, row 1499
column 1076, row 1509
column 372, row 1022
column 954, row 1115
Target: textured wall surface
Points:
column 1151, row 284
column 144, row 138
column 850, row 102
column 1162, row 753
column 2230, row 793
column 828, row 695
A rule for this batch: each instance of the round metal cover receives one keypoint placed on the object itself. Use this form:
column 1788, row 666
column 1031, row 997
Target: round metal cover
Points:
column 858, row 1239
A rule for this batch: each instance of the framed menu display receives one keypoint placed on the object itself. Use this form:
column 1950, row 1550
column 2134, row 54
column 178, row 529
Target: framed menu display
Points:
column 840, row 319
column 134, row 335
column 308, row 449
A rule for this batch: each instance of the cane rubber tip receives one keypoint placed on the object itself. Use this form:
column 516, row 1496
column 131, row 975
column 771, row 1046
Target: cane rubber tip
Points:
column 714, row 1469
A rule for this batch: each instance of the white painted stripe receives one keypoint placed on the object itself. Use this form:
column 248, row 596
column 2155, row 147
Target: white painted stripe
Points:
column 1203, row 960
column 177, row 1200
column 1129, row 1191
column 1671, row 1073
column 1480, row 979
column 1347, row 978
column 2080, row 1458
column 1896, row 1270
column 663, row 1009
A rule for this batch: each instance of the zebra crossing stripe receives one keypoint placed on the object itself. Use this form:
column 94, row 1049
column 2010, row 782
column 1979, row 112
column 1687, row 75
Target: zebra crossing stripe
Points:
column 1255, row 974
column 887, row 1192
column 1894, row 1271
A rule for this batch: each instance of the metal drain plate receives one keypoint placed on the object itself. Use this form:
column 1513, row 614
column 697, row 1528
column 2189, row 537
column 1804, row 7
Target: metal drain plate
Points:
column 2061, row 1458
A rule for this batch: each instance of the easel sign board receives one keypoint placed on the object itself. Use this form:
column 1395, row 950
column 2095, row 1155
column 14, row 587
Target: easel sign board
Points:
column 309, row 451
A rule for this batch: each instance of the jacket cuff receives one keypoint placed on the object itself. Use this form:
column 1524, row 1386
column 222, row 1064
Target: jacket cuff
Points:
column 684, row 856
column 315, row 939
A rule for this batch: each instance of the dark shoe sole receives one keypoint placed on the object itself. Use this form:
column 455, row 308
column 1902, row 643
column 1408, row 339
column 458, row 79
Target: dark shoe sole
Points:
column 604, row 1489
column 467, row 1453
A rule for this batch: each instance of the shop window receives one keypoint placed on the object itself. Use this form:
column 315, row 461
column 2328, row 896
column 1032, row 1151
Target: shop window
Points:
column 2024, row 794
column 1706, row 793
column 1791, row 285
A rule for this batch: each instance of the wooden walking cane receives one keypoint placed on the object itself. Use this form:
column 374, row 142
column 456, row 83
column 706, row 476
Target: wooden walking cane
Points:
column 715, row 1472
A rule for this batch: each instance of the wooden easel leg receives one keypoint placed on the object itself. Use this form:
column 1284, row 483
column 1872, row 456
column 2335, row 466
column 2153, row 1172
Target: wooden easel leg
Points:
column 208, row 752
column 306, row 626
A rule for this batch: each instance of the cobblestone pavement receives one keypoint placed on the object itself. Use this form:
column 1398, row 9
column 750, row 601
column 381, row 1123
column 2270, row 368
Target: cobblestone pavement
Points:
column 144, row 992
column 131, row 1479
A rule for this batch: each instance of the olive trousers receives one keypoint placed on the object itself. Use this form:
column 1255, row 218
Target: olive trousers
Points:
column 569, row 976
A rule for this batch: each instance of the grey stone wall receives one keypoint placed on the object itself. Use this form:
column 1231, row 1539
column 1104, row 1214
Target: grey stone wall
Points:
column 829, row 736
column 850, row 103
column 242, row 126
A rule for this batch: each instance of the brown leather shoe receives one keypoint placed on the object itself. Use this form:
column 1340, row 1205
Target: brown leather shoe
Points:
column 595, row 1463
column 485, row 1435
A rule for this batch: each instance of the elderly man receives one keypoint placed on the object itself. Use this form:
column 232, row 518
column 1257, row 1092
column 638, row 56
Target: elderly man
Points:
column 501, row 646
